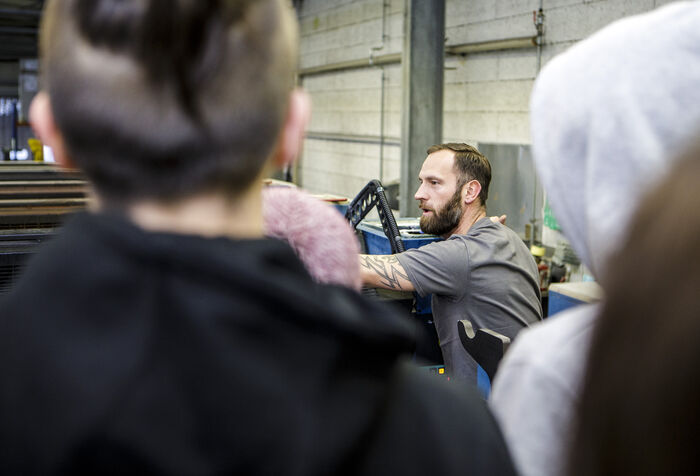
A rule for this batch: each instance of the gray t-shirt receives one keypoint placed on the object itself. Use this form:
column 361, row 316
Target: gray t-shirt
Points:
column 487, row 276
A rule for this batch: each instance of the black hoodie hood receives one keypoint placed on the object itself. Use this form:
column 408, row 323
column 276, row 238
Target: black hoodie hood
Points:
column 144, row 341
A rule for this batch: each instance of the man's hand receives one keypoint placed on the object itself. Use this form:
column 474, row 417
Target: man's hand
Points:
column 502, row 219
column 384, row 271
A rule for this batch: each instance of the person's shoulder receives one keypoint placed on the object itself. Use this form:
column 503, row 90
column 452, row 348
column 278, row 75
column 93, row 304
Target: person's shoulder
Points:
column 484, row 227
column 490, row 234
column 553, row 349
column 492, row 228
column 434, row 248
column 537, row 385
column 560, row 330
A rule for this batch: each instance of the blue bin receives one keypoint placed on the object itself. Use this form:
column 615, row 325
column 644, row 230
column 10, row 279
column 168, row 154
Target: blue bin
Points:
column 564, row 296
column 342, row 208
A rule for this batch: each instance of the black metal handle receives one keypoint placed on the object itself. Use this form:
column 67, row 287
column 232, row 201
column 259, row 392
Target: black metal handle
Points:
column 370, row 196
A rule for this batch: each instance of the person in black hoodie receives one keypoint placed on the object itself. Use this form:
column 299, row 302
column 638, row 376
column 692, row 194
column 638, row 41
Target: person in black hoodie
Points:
column 160, row 332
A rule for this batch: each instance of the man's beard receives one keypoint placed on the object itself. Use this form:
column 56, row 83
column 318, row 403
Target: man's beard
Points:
column 443, row 221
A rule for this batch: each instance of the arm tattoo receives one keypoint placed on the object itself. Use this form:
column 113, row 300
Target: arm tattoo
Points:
column 387, row 268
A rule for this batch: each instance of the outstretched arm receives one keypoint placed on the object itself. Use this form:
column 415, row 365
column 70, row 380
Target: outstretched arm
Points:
column 384, row 271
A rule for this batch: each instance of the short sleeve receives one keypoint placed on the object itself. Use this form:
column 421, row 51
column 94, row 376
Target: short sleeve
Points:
column 440, row 268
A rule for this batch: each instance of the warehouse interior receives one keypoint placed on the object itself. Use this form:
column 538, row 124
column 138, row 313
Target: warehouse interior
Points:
column 387, row 79
column 381, row 96
column 366, row 235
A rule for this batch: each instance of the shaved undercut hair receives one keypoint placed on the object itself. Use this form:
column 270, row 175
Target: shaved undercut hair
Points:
column 470, row 164
column 164, row 99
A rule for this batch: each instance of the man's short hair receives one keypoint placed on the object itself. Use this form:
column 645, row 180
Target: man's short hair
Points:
column 164, row 99
column 470, row 164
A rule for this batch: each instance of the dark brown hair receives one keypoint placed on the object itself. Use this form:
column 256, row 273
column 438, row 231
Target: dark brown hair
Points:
column 639, row 413
column 162, row 99
column 470, row 164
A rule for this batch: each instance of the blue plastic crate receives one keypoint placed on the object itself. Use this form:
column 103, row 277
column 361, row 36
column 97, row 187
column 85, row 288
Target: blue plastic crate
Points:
column 378, row 244
column 559, row 302
column 563, row 296
column 341, row 207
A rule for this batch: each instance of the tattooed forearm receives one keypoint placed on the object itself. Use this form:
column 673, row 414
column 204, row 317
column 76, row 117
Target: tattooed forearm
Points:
column 388, row 271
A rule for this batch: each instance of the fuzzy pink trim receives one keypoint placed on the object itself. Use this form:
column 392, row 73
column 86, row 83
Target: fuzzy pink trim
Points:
column 321, row 237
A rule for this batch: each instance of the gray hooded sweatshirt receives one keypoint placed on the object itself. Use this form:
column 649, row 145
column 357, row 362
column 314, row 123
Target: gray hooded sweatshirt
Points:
column 608, row 117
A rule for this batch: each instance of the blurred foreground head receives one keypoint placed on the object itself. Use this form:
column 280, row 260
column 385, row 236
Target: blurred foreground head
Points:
column 639, row 411
column 321, row 237
column 165, row 99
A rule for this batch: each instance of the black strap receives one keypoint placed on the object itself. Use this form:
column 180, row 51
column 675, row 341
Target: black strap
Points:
column 372, row 195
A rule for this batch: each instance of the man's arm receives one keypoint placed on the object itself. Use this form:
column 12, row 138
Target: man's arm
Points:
column 384, row 271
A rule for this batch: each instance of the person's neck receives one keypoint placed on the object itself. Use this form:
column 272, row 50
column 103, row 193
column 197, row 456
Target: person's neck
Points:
column 209, row 215
column 471, row 215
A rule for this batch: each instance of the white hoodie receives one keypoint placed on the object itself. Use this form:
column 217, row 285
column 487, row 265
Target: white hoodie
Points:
column 608, row 117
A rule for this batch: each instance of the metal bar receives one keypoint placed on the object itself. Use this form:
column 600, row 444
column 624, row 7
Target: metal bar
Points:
column 391, row 58
column 43, row 202
column 33, row 220
column 494, row 45
column 22, row 30
column 9, row 212
column 539, row 26
column 41, row 183
column 358, row 139
column 394, row 58
column 39, row 173
column 34, row 165
column 7, row 56
column 382, row 139
column 20, row 12
column 382, row 108
column 423, row 65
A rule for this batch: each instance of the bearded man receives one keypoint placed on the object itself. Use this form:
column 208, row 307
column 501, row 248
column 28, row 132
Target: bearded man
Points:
column 482, row 271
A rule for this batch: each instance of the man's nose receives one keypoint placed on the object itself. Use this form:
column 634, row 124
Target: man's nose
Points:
column 420, row 194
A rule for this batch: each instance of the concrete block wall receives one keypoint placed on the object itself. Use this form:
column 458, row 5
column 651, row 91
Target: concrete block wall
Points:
column 347, row 104
column 486, row 95
column 342, row 150
column 338, row 30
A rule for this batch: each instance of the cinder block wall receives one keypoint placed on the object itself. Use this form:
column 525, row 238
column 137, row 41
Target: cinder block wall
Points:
column 343, row 150
column 486, row 94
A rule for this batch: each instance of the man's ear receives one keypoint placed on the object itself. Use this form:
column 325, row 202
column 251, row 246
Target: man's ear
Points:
column 42, row 121
column 471, row 191
column 292, row 136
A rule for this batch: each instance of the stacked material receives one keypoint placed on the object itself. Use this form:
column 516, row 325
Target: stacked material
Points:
column 34, row 200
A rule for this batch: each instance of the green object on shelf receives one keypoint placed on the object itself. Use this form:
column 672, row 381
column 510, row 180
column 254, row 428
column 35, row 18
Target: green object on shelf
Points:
column 549, row 220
